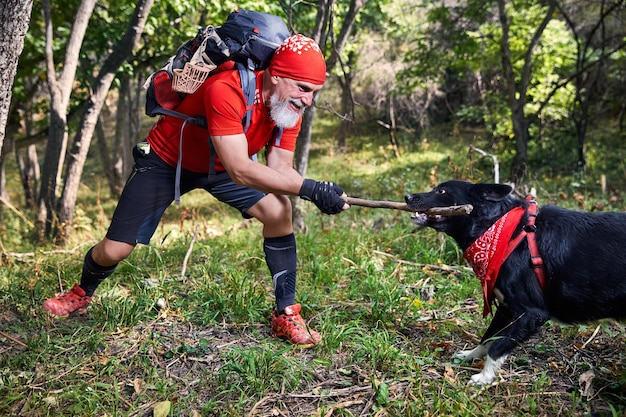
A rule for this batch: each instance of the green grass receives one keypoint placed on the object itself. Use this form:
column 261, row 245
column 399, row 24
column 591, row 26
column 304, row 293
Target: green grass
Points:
column 393, row 305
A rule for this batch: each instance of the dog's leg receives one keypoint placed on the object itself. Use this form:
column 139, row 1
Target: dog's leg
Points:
column 500, row 320
column 503, row 339
column 479, row 352
column 505, row 332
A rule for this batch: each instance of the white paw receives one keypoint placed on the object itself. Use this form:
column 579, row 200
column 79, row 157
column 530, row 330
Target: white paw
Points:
column 478, row 352
column 488, row 375
column 481, row 379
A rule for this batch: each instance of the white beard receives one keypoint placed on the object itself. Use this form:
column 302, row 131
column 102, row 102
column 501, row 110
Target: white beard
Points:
column 281, row 115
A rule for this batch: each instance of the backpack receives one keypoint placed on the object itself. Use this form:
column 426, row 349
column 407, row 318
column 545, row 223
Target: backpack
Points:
column 247, row 37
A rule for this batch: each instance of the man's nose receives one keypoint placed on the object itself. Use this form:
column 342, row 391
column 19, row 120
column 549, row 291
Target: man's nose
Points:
column 307, row 98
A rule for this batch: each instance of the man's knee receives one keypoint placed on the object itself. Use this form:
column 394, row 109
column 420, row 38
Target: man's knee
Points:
column 272, row 209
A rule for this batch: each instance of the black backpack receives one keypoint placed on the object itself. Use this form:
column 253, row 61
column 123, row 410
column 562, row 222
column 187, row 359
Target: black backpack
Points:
column 247, row 37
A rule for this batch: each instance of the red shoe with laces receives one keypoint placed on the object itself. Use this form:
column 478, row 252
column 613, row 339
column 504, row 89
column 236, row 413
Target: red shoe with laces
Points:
column 73, row 301
column 291, row 326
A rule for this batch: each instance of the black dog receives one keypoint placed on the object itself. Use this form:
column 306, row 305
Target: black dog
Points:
column 581, row 262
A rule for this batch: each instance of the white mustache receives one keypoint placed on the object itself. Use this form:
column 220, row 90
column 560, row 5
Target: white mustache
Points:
column 297, row 102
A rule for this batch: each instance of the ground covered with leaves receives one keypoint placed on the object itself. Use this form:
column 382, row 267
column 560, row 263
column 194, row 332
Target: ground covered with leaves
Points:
column 137, row 354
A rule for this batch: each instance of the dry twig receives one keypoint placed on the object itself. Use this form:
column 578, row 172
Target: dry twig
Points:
column 188, row 254
column 460, row 210
column 12, row 339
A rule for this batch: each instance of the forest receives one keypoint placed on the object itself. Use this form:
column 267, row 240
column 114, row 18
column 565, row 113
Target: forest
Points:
column 536, row 76
column 525, row 92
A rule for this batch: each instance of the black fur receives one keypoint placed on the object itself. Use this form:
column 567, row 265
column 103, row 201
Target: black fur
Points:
column 584, row 255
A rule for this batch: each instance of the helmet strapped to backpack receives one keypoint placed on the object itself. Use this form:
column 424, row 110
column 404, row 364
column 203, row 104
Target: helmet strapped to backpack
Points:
column 247, row 37
column 252, row 40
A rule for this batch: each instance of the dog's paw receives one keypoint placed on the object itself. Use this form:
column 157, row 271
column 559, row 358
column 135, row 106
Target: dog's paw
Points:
column 488, row 375
column 481, row 379
column 478, row 352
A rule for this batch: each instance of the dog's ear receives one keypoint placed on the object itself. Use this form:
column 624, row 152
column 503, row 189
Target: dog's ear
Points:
column 492, row 192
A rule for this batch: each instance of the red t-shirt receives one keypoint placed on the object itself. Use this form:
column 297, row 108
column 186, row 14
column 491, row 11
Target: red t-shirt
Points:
column 221, row 100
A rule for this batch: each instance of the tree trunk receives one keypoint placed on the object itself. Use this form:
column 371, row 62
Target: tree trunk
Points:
column 516, row 91
column 28, row 166
column 347, row 102
column 90, row 117
column 60, row 91
column 393, row 127
column 125, row 134
column 324, row 14
column 14, row 20
column 106, row 159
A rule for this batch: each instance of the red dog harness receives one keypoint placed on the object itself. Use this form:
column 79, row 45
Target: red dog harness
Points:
column 487, row 254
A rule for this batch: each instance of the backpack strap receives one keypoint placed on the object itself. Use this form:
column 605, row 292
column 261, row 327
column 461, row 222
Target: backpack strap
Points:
column 248, row 85
column 195, row 120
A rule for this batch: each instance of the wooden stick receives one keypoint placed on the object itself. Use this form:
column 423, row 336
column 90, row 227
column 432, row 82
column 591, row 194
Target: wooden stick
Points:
column 461, row 210
column 22, row 344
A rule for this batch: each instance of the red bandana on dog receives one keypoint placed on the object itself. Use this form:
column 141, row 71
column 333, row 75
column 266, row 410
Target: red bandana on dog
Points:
column 488, row 252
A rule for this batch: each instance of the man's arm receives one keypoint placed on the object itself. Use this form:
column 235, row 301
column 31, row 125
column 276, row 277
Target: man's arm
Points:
column 277, row 177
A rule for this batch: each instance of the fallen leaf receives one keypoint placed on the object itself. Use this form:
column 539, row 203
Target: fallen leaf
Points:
column 138, row 385
column 162, row 409
column 449, row 374
column 586, row 381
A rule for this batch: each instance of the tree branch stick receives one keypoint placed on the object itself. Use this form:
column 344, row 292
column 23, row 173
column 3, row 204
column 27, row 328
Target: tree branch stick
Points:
column 442, row 211
column 188, row 254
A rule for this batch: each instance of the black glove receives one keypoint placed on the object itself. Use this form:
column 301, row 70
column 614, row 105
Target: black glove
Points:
column 325, row 195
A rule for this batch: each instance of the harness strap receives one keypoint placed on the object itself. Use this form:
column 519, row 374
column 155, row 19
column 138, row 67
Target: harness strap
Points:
column 528, row 232
column 195, row 120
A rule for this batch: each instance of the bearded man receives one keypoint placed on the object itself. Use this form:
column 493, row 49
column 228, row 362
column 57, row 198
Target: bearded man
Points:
column 178, row 157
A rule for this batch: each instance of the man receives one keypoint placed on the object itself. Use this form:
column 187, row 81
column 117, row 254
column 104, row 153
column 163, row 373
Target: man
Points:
column 221, row 163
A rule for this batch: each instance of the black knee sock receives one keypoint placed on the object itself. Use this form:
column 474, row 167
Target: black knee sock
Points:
column 93, row 274
column 281, row 259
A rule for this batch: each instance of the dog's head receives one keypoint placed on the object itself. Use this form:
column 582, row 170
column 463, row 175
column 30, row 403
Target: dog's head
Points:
column 489, row 201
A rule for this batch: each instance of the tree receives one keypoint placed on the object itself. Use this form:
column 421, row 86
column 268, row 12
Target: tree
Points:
column 323, row 33
column 596, row 43
column 90, row 116
column 60, row 88
column 53, row 218
column 14, row 20
column 523, row 60
column 517, row 85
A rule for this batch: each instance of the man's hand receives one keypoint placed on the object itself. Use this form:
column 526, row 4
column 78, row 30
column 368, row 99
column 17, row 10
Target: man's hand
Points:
column 325, row 195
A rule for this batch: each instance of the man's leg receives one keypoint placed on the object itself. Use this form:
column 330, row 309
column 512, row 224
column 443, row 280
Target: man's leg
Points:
column 135, row 219
column 94, row 271
column 281, row 257
column 279, row 245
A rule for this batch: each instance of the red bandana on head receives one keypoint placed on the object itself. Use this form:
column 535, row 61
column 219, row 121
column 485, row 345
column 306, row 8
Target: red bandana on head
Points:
column 299, row 58
column 488, row 252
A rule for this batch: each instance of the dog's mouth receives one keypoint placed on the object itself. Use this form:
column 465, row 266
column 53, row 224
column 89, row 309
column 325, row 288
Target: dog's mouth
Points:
column 423, row 219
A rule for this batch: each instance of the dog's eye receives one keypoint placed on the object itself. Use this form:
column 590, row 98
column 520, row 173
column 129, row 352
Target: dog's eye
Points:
column 441, row 191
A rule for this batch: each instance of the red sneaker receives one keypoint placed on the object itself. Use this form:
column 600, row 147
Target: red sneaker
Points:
column 73, row 301
column 291, row 326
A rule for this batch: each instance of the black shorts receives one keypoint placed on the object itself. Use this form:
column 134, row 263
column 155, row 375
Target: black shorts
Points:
column 149, row 190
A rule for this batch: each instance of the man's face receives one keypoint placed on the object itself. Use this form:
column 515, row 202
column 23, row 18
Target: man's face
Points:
column 289, row 100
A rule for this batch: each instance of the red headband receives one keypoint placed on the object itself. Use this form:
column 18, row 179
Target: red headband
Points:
column 299, row 58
